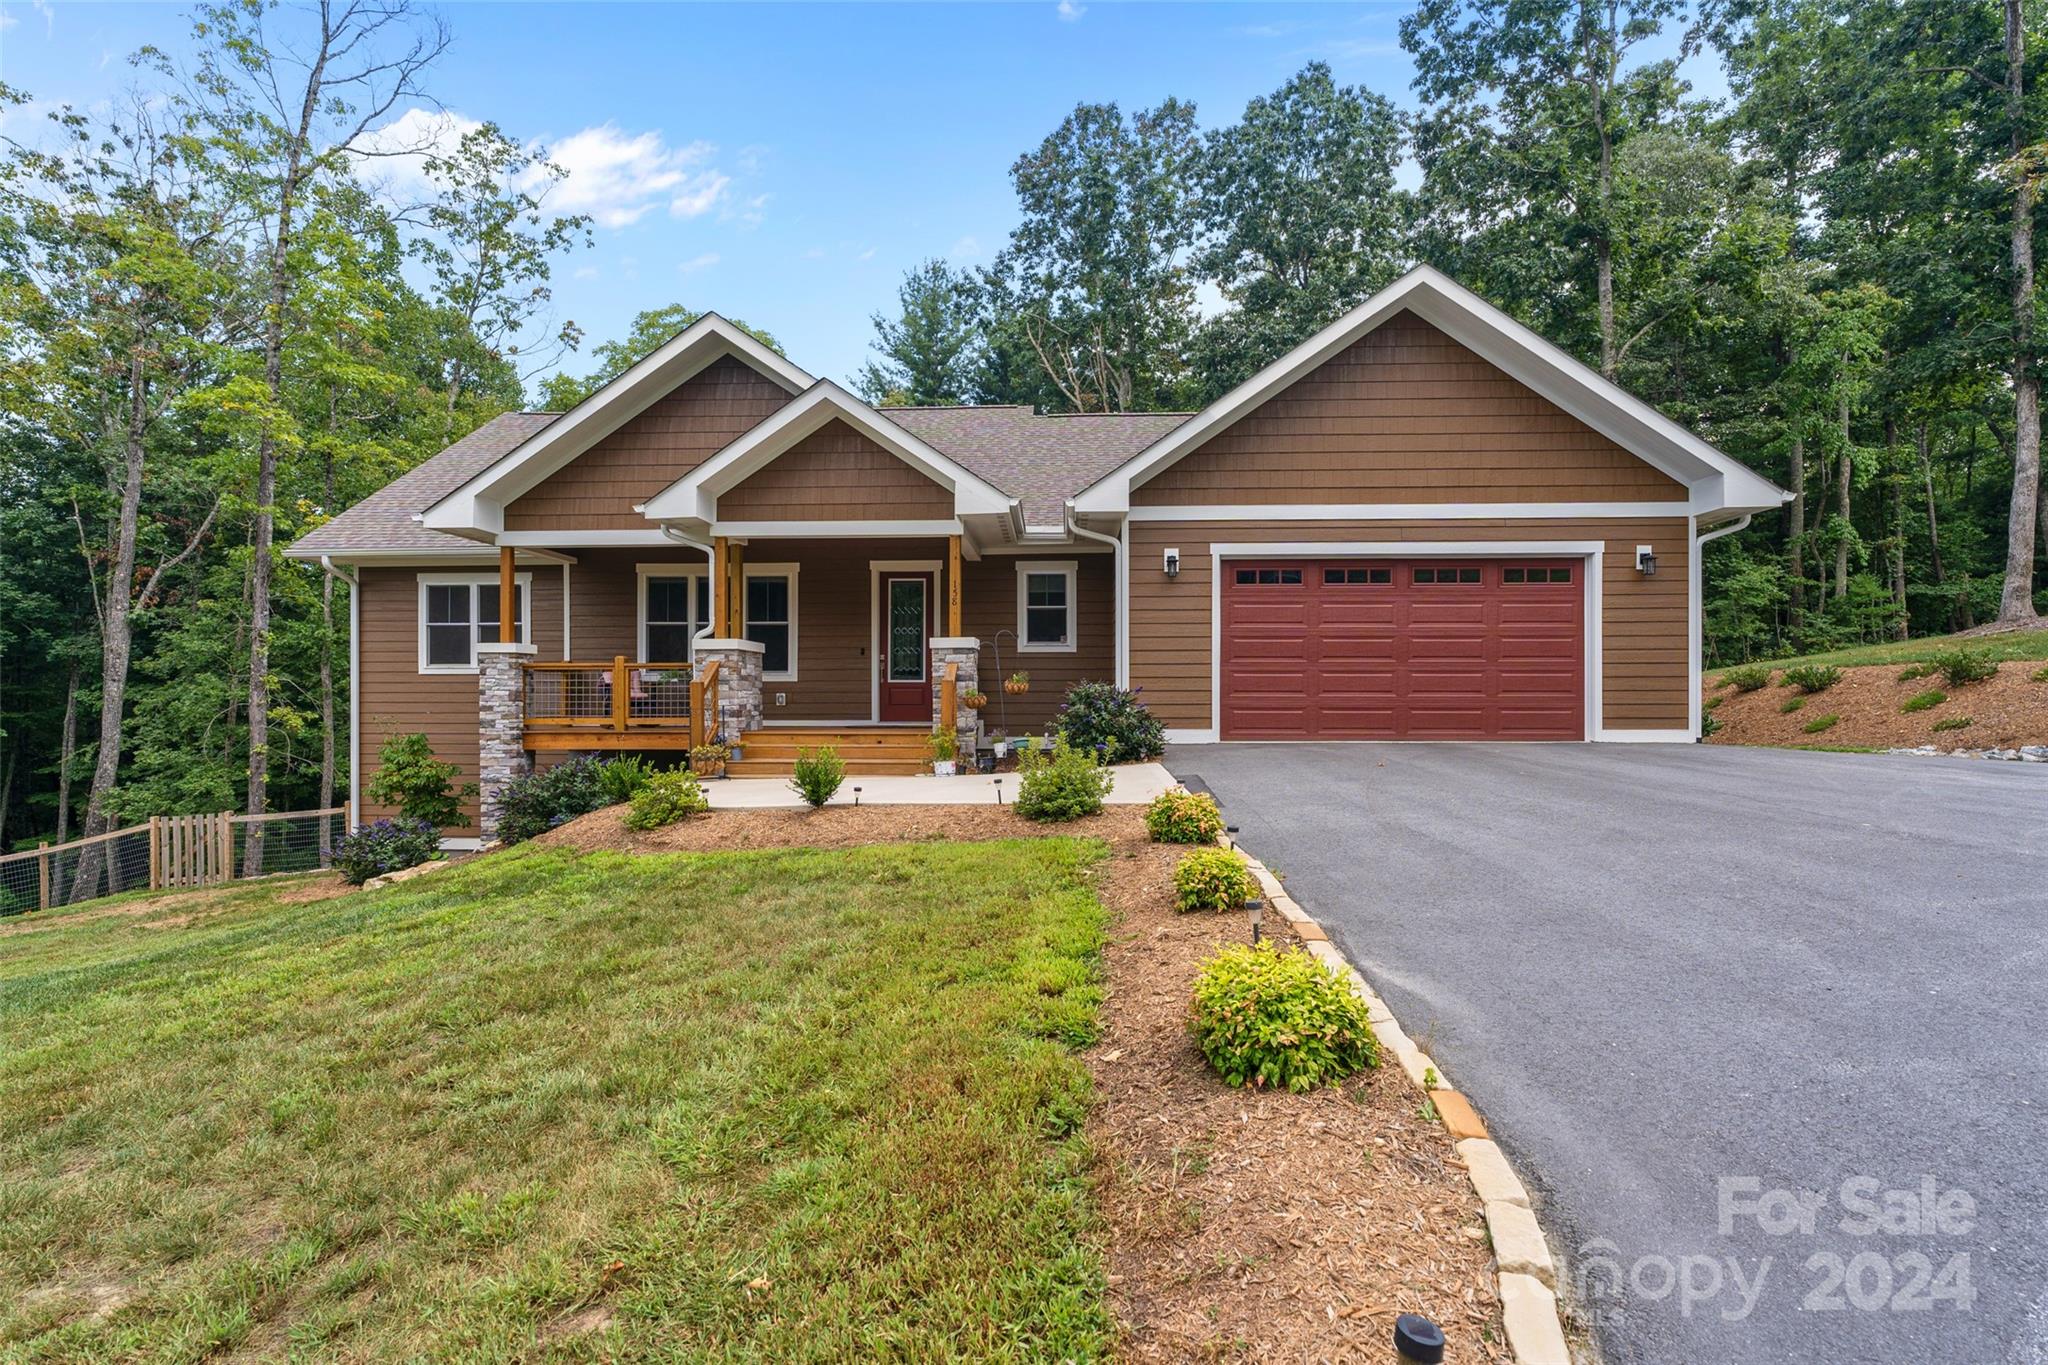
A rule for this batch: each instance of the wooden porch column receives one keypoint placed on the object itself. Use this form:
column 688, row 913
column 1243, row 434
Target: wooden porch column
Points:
column 735, row 589
column 508, row 586
column 953, row 586
column 719, row 584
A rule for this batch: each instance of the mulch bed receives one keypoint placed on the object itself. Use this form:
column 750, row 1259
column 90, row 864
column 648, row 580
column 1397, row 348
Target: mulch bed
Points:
column 2005, row 711
column 1241, row 1225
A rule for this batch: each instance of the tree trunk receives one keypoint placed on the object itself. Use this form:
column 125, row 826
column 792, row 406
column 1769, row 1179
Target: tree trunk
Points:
column 1934, row 526
column 1844, row 475
column 1795, row 548
column 67, row 753
column 1604, row 251
column 2016, row 602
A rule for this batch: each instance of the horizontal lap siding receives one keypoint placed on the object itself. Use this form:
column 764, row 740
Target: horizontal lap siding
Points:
column 599, row 488
column 1644, row 657
column 991, row 605
column 835, row 474
column 395, row 698
column 1407, row 415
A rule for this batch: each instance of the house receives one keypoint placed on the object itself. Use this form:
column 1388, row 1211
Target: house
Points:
column 1424, row 522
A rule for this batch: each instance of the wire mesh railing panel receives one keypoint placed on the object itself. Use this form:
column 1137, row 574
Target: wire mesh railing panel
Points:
column 658, row 693
column 590, row 694
column 80, row 871
column 568, row 694
column 296, row 842
column 172, row 852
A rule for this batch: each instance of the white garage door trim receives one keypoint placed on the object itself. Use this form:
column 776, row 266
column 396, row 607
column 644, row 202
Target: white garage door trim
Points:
column 1593, row 552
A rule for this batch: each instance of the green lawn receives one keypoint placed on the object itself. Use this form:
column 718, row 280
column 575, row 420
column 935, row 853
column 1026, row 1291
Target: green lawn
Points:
column 790, row 1105
column 2023, row 644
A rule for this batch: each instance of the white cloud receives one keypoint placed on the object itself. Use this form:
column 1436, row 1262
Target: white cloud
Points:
column 752, row 210
column 697, row 263
column 968, row 248
column 395, row 155
column 7, row 21
column 699, row 195
column 585, row 272
column 1069, row 11
column 816, row 253
column 867, row 255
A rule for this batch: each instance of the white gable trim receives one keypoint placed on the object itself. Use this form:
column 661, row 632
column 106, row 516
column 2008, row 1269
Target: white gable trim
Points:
column 694, row 497
column 1716, row 481
column 478, row 506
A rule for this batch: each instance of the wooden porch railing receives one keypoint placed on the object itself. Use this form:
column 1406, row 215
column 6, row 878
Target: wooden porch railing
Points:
column 614, row 696
column 704, row 705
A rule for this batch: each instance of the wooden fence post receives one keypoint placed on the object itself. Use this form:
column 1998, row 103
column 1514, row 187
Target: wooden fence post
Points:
column 43, row 875
column 226, row 830
column 156, row 853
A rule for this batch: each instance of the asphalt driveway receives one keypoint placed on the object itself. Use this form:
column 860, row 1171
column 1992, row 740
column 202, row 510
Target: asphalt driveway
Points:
column 1764, row 1030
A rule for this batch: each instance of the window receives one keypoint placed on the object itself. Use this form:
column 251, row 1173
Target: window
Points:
column 458, row 612
column 1561, row 574
column 674, row 607
column 1045, row 605
column 1465, row 575
column 1269, row 577
column 1355, row 577
column 771, row 619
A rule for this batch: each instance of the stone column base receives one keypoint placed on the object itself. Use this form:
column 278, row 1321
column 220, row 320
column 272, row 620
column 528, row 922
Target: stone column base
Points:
column 501, row 726
column 739, row 686
column 964, row 650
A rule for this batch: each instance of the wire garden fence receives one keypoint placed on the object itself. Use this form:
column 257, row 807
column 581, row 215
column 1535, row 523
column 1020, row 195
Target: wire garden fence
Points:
column 169, row 852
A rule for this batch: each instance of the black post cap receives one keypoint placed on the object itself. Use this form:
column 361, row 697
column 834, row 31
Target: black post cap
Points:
column 1418, row 1339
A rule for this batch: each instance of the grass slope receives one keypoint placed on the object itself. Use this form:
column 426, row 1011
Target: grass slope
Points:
column 2019, row 644
column 785, row 1105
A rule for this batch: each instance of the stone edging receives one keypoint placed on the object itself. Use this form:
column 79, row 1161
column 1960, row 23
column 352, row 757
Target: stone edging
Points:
column 406, row 874
column 1527, row 1272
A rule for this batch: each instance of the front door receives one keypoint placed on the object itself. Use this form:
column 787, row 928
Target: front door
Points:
column 905, row 651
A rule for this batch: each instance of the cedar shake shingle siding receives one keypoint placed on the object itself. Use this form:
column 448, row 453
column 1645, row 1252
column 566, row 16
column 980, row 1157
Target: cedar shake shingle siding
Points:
column 1405, row 414
column 833, row 474
column 672, row 436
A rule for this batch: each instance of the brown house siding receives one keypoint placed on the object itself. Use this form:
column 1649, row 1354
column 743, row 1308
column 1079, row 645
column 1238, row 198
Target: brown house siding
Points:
column 395, row 698
column 1645, row 665
column 598, row 489
column 1407, row 415
column 991, row 605
column 835, row 474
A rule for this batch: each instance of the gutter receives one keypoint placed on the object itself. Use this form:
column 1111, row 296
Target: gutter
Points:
column 1122, row 595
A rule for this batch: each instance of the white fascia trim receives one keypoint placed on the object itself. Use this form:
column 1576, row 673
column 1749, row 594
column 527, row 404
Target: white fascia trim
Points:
column 695, row 495
column 1413, row 511
column 1492, row 334
column 1605, row 736
column 478, row 505
column 584, row 540
column 1175, row 736
column 769, row 530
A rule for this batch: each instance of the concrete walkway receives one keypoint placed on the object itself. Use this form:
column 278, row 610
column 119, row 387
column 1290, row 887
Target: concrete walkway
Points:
column 1136, row 783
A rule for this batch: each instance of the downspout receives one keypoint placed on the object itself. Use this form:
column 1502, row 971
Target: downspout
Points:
column 711, row 571
column 1121, row 594
column 355, row 682
column 1699, row 608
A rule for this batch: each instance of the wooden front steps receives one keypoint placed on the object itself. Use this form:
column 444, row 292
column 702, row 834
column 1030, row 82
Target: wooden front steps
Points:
column 868, row 750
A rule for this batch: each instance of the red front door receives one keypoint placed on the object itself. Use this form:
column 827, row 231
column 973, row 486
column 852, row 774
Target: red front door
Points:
column 904, row 651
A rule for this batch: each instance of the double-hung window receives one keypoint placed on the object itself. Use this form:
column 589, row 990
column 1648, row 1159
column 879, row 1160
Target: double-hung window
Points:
column 674, row 607
column 771, row 618
column 458, row 612
column 1046, row 618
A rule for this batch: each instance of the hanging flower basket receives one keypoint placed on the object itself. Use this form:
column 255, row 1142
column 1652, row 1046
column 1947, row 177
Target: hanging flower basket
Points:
column 974, row 701
column 1017, row 684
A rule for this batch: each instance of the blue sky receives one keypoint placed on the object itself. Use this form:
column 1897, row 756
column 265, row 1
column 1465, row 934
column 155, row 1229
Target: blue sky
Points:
column 786, row 163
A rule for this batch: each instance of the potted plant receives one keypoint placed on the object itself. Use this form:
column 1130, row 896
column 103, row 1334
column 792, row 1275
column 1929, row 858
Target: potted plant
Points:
column 975, row 699
column 942, row 748
column 1017, row 684
column 709, row 760
column 1001, row 742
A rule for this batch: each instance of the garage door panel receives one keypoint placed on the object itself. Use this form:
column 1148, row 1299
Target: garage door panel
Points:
column 1357, row 649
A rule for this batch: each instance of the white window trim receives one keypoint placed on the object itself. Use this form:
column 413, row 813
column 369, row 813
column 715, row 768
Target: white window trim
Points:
column 1068, row 567
column 678, row 569
column 789, row 571
column 523, row 581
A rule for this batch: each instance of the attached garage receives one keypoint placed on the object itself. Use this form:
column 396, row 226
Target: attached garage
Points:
column 1386, row 648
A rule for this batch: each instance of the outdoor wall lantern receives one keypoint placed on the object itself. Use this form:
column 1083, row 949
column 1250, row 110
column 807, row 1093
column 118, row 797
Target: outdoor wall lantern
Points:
column 1173, row 563
column 1646, row 562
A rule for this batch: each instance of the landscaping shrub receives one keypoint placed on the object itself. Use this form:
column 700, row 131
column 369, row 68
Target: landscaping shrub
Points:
column 1212, row 879
column 618, row 778
column 386, row 846
column 1915, row 672
column 2039, row 675
column 1112, row 722
column 1953, row 723
column 409, row 777
column 1747, row 677
column 1960, row 666
column 1710, row 725
column 1812, row 677
column 1268, row 1018
column 817, row 775
column 1180, row 816
column 1063, row 783
column 1820, row 723
column 1925, row 701
column 667, row 798
column 1711, row 702
column 1790, row 705
column 535, row 802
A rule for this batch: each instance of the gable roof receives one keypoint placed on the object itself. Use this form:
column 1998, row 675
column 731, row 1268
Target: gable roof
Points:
column 476, row 507
column 1718, row 483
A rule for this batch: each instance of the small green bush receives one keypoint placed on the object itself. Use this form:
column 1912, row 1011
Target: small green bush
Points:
column 534, row 803
column 1820, row 723
column 1915, row 672
column 409, row 777
column 1960, row 666
column 666, row 798
column 618, row 778
column 1112, row 722
column 1711, row 702
column 386, row 846
column 1063, row 783
column 2039, row 675
column 1953, row 723
column 1924, row 701
column 817, row 775
column 1710, row 725
column 1747, row 677
column 1791, row 704
column 1180, row 816
column 1268, row 1018
column 1812, row 677
column 1212, row 879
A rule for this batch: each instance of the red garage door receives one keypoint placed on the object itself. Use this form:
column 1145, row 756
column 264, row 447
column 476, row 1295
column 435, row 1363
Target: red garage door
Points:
column 1404, row 649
